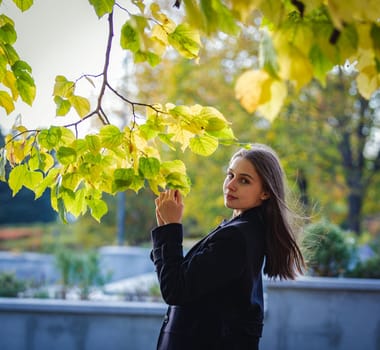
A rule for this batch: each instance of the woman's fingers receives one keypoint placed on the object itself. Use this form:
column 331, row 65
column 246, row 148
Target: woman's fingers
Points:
column 178, row 196
column 169, row 206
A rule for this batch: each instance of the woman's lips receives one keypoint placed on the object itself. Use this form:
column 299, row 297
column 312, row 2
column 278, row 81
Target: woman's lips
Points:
column 230, row 197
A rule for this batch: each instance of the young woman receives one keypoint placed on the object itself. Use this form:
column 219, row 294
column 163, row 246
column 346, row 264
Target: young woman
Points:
column 214, row 292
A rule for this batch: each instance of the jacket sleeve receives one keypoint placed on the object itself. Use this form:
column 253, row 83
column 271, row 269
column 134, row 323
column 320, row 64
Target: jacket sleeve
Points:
column 214, row 263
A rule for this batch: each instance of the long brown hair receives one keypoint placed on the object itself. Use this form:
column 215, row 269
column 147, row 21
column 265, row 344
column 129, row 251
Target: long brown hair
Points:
column 283, row 256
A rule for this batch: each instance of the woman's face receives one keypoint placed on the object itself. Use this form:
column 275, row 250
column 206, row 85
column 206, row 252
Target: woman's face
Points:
column 242, row 188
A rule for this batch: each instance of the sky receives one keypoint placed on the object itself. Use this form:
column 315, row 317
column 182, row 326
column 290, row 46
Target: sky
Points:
column 58, row 38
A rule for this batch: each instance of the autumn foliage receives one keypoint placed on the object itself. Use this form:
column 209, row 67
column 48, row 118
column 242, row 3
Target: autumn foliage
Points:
column 300, row 40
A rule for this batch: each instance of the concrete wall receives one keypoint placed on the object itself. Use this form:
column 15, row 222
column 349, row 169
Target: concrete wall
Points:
column 308, row 314
column 323, row 314
column 68, row 325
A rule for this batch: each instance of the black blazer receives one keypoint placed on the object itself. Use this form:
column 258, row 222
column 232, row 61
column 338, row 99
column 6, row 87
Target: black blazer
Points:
column 215, row 291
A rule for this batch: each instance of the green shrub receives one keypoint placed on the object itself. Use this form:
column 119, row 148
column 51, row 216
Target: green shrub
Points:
column 369, row 268
column 10, row 286
column 328, row 249
column 79, row 269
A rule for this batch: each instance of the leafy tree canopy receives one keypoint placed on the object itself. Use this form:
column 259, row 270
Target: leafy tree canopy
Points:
column 299, row 41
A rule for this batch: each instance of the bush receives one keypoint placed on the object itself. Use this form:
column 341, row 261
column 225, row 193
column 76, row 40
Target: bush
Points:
column 10, row 286
column 80, row 269
column 369, row 268
column 329, row 249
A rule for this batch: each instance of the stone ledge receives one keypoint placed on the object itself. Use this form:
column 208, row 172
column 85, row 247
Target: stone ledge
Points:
column 81, row 306
column 328, row 283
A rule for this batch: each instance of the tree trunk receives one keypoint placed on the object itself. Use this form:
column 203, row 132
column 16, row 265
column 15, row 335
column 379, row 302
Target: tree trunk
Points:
column 355, row 182
column 302, row 186
column 355, row 203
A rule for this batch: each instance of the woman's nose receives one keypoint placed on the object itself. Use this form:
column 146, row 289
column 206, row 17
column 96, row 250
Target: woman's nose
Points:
column 230, row 184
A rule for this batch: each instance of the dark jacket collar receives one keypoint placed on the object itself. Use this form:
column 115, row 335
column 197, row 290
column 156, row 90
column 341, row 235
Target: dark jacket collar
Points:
column 245, row 214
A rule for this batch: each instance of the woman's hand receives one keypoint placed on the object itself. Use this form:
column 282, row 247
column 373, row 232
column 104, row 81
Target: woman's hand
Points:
column 169, row 207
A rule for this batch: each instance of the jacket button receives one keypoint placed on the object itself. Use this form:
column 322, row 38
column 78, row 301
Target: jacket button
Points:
column 166, row 318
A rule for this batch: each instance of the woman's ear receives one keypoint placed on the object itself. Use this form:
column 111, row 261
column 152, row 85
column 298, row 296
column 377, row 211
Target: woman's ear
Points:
column 264, row 196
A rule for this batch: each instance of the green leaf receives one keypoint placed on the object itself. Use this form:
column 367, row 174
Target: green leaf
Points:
column 63, row 106
column 80, row 104
column 321, row 64
column 11, row 54
column 179, row 181
column 23, row 5
column 111, row 137
column 5, row 19
column 203, row 145
column 20, row 67
column 194, row 15
column 129, row 39
column 66, row 155
column 32, row 179
column 146, row 56
column 62, row 210
column 79, row 204
column 185, row 40
column 26, row 88
column 6, row 102
column 172, row 166
column 98, row 208
column 218, row 17
column 122, row 179
column 149, row 167
column 71, row 180
column 93, row 143
column 267, row 55
column 348, row 42
column 375, row 36
column 225, row 136
column 49, row 138
column 41, row 161
column 16, row 178
column 81, row 146
column 102, row 7
column 48, row 181
column 8, row 34
column 24, row 81
column 67, row 136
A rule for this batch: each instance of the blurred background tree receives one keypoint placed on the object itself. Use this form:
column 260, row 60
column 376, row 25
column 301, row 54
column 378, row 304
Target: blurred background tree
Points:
column 325, row 136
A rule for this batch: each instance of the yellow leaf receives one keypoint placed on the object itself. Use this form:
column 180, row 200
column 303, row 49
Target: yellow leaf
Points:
column 368, row 79
column 160, row 39
column 10, row 82
column 367, row 84
column 294, row 65
column 311, row 5
column 186, row 40
column 271, row 109
column 6, row 102
column 180, row 135
column 244, row 7
column 250, row 89
column 81, row 105
column 364, row 32
column 166, row 22
column 63, row 87
column 349, row 11
column 204, row 145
